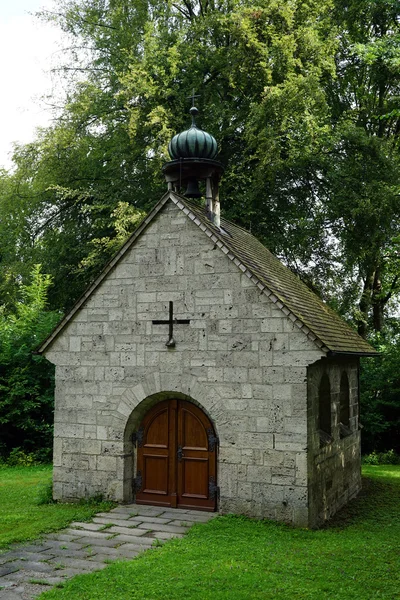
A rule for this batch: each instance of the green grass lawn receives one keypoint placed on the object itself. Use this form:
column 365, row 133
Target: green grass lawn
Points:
column 22, row 517
column 356, row 557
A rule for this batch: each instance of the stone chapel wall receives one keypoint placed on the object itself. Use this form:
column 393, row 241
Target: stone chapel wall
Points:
column 240, row 358
column 334, row 466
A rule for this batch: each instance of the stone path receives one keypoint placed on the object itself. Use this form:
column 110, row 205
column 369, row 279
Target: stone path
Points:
column 27, row 571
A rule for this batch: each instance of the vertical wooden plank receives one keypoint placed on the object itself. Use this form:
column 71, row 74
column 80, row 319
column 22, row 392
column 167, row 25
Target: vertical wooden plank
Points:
column 173, row 425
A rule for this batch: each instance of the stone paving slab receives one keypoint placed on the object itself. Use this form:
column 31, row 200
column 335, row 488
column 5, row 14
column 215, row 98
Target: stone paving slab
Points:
column 162, row 536
column 79, row 533
column 56, row 545
column 86, row 547
column 8, row 595
column 88, row 542
column 128, row 522
column 134, row 532
column 60, row 537
column 78, row 563
column 146, row 519
column 37, row 567
column 83, row 553
column 85, row 526
column 144, row 542
column 9, row 568
column 169, row 528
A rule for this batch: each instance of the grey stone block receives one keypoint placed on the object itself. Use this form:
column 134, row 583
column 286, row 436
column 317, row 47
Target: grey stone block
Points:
column 27, row 565
column 138, row 531
column 94, row 542
column 159, row 527
column 78, row 564
column 142, row 541
column 148, row 519
column 7, row 569
column 10, row 595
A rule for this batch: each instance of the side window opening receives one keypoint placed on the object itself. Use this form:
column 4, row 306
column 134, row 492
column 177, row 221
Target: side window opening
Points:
column 324, row 411
column 344, row 424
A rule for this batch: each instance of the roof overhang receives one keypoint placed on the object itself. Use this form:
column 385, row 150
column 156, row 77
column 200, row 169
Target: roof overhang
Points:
column 355, row 354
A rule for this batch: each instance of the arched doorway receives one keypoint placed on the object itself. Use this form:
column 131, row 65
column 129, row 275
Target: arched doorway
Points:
column 176, row 457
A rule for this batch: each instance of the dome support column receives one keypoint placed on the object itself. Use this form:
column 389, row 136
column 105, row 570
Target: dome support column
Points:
column 209, row 198
column 216, row 214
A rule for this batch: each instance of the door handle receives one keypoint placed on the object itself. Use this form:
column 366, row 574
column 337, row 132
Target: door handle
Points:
column 179, row 453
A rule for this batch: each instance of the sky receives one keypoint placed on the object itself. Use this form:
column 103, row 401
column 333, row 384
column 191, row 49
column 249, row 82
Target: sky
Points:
column 28, row 48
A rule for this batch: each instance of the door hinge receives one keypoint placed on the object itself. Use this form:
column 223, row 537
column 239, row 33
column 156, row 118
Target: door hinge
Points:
column 213, row 489
column 138, row 482
column 213, row 440
column 137, row 437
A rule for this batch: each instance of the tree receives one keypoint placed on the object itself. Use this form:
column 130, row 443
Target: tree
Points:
column 26, row 380
column 46, row 219
column 129, row 96
column 362, row 167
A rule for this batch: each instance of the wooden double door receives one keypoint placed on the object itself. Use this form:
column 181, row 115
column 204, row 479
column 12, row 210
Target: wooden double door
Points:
column 176, row 457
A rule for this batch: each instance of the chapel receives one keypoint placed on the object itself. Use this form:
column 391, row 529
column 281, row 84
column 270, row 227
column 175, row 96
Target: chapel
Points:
column 199, row 372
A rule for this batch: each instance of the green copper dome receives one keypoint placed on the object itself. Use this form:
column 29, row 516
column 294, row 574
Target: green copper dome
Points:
column 193, row 143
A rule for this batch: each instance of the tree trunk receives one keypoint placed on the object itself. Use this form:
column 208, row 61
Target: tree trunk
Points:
column 378, row 303
column 366, row 301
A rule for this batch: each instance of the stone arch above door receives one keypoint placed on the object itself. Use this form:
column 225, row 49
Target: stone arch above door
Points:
column 161, row 386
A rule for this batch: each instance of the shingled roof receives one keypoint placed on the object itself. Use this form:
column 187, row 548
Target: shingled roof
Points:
column 302, row 306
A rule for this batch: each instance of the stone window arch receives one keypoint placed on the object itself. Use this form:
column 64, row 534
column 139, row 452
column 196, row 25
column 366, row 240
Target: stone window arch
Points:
column 324, row 411
column 344, row 416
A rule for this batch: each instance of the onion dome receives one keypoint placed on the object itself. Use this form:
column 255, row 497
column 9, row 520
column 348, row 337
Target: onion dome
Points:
column 193, row 143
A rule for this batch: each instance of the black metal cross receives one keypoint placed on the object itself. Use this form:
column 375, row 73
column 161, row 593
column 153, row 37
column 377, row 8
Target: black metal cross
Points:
column 170, row 322
column 193, row 96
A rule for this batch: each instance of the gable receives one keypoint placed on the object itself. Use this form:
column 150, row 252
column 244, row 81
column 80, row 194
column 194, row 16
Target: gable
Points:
column 299, row 304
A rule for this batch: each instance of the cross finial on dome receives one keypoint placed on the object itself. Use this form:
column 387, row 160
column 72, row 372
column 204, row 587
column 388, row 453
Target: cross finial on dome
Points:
column 194, row 111
column 193, row 96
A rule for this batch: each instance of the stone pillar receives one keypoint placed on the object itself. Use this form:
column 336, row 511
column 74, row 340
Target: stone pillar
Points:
column 216, row 214
column 209, row 197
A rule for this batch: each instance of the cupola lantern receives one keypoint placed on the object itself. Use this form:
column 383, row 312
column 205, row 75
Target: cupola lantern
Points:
column 193, row 155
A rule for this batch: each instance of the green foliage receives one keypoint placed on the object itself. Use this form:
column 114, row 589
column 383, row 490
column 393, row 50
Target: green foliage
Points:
column 234, row 557
column 380, row 397
column 26, row 380
column 19, row 458
column 382, row 458
column 362, row 167
column 27, row 509
column 125, row 219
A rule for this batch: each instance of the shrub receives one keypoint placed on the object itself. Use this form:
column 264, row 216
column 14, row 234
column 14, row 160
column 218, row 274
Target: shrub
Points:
column 19, row 458
column 382, row 458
